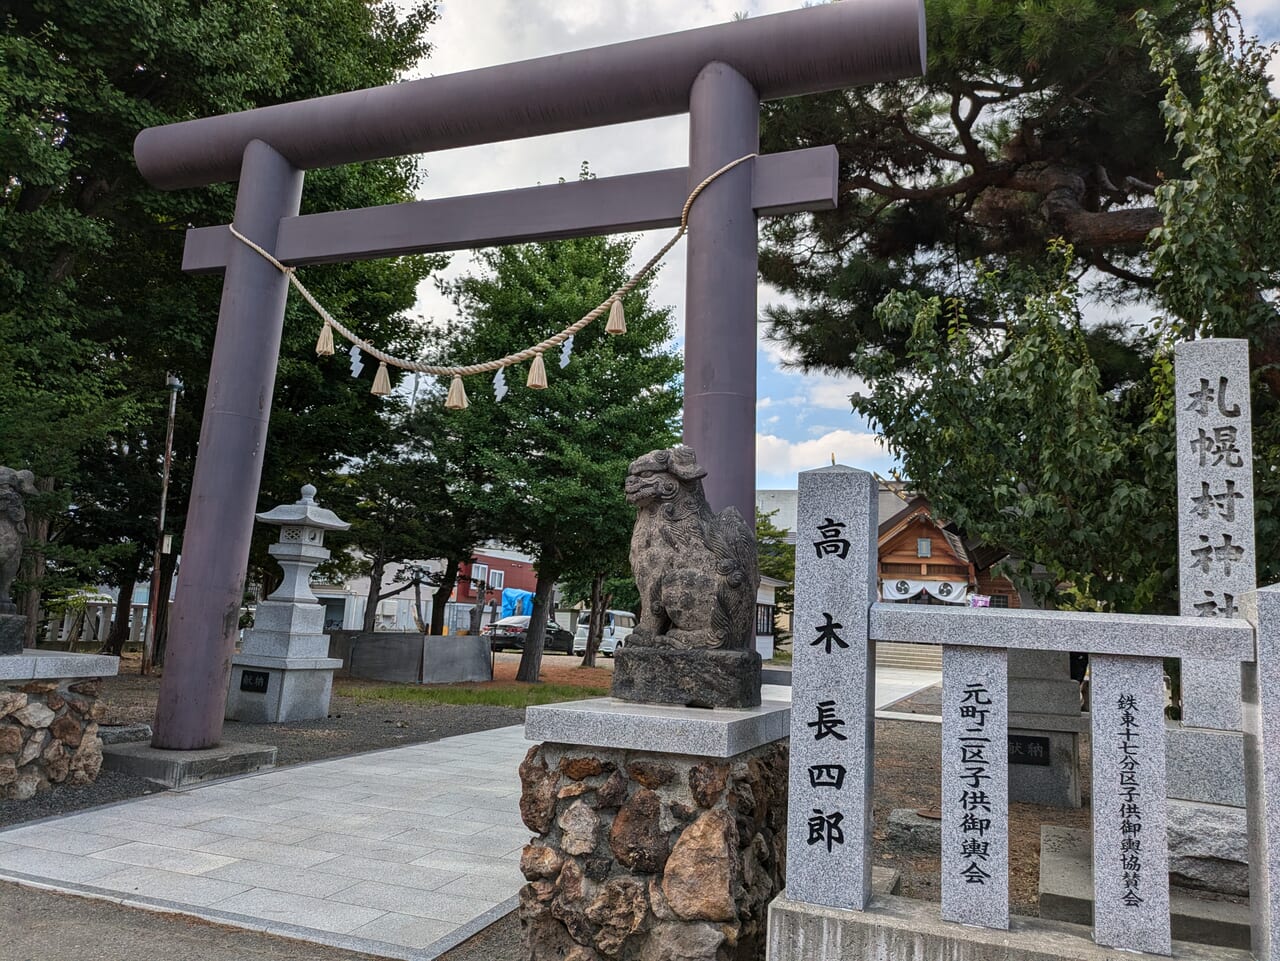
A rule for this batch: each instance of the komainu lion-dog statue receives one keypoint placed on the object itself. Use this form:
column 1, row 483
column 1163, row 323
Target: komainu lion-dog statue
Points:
column 698, row 576
column 13, row 526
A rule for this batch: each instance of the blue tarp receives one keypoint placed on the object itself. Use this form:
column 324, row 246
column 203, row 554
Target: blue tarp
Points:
column 516, row 601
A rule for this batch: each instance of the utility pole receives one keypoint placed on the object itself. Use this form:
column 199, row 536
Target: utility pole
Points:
column 153, row 597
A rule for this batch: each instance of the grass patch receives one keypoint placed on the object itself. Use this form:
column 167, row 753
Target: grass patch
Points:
column 780, row 657
column 498, row 694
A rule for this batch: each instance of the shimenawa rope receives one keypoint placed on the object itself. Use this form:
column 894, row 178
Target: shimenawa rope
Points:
column 457, row 397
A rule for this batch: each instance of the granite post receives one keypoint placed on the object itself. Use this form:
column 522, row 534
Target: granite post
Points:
column 1261, row 690
column 1130, row 852
column 833, row 689
column 1216, row 561
column 1217, row 566
column 975, row 786
column 284, row 672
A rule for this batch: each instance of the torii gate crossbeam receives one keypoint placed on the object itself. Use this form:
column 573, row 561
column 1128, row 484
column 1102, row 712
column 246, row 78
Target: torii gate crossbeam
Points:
column 718, row 75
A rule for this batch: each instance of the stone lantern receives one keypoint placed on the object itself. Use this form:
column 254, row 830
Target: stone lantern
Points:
column 283, row 671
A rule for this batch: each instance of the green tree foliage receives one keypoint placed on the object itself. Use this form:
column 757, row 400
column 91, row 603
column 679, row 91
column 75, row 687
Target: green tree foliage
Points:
column 777, row 559
column 1217, row 257
column 554, row 460
column 1035, row 121
column 1024, row 427
column 93, row 307
column 1011, row 430
column 418, row 498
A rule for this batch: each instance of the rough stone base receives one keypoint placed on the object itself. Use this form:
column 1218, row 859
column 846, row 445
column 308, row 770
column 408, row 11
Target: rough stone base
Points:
column 642, row 856
column 904, row 929
column 48, row 735
column 1209, row 847
column 690, row 678
column 1066, row 894
column 909, row 833
column 181, row 768
column 13, row 631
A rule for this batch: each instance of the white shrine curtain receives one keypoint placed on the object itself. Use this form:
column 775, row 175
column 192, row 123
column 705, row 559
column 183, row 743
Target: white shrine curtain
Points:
column 903, row 589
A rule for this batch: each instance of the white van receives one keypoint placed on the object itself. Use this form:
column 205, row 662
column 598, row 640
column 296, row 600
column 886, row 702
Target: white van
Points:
column 617, row 625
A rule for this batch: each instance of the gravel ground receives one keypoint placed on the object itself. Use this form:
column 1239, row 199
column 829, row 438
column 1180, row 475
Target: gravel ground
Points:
column 925, row 701
column 42, row 925
column 909, row 775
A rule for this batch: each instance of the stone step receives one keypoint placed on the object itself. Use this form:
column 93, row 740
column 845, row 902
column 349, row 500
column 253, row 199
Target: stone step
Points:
column 1066, row 894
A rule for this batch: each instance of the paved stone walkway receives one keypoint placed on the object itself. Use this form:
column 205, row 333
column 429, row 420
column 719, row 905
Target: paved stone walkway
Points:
column 402, row 853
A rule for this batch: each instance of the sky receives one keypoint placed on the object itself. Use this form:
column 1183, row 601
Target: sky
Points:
column 802, row 419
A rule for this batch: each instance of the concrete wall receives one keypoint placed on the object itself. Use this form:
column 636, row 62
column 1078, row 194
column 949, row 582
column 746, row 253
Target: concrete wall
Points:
column 411, row 658
column 381, row 656
column 456, row 658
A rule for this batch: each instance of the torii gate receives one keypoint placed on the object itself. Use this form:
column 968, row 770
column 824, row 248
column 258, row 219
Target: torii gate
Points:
column 717, row 74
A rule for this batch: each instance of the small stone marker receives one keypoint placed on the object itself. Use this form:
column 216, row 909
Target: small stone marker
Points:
column 1217, row 564
column 1130, row 823
column 975, row 786
column 832, row 692
column 1262, row 766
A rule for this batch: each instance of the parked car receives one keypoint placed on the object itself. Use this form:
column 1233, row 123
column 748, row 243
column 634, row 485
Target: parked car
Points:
column 511, row 632
column 617, row 625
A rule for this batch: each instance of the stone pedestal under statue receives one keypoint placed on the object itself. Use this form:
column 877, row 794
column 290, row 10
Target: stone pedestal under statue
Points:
column 659, row 814
column 49, row 713
column 49, row 707
column 283, row 671
column 659, row 831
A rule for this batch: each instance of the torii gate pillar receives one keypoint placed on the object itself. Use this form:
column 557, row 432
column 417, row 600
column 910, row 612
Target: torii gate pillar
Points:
column 720, row 301
column 224, row 490
column 718, row 74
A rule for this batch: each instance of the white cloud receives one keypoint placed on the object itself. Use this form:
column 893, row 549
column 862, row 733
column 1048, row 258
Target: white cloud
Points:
column 776, row 455
column 832, row 393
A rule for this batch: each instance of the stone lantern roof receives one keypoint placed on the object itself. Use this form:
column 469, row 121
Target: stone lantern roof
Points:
column 305, row 513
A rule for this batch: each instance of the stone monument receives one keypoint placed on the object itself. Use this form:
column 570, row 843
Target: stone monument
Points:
column 1217, row 566
column 698, row 577
column 13, row 534
column 284, row 672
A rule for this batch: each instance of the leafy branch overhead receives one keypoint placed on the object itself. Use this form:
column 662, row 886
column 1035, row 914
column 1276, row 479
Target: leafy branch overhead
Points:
column 1052, row 438
column 1035, row 121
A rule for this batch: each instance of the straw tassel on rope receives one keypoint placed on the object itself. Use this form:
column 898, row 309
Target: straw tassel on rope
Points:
column 324, row 345
column 537, row 374
column 457, row 399
column 617, row 322
column 457, row 396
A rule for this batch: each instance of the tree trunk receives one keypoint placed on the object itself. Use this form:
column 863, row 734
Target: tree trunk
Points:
column 417, row 606
column 119, row 633
column 595, row 624
column 477, row 611
column 441, row 596
column 168, row 565
column 376, row 567
column 531, row 659
column 34, row 566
